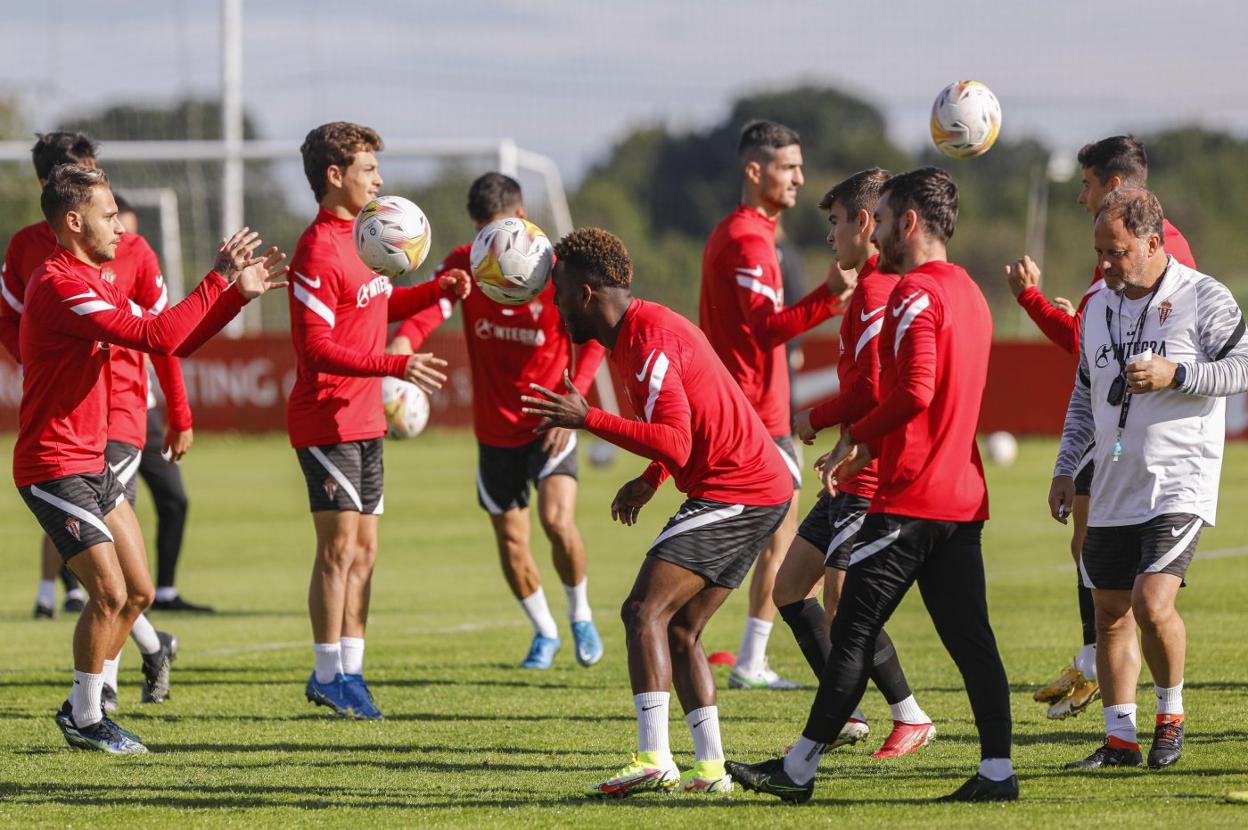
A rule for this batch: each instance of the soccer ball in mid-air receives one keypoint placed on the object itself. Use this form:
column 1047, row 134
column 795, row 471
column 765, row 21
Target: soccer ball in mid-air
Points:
column 1002, row 448
column 392, row 236
column 512, row 260
column 966, row 119
column 406, row 406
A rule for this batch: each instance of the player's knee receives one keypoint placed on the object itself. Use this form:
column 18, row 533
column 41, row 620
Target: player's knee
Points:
column 338, row 553
column 139, row 598
column 111, row 598
column 683, row 639
column 174, row 503
column 557, row 522
column 633, row 611
column 1112, row 621
column 1152, row 613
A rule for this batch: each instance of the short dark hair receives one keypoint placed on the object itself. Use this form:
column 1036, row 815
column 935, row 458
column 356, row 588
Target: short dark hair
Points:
column 56, row 148
column 1119, row 155
column 761, row 139
column 1139, row 209
column 491, row 194
column 931, row 193
column 859, row 192
column 334, row 145
column 598, row 255
column 69, row 187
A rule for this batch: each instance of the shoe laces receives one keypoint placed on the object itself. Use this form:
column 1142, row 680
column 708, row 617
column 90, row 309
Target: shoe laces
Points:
column 1167, row 733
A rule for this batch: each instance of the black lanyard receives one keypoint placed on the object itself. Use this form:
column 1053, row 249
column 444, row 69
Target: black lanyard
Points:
column 1121, row 354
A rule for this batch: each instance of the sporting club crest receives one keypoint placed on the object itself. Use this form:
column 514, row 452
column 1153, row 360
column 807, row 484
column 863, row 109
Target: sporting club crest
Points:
column 331, row 488
column 74, row 528
column 1163, row 311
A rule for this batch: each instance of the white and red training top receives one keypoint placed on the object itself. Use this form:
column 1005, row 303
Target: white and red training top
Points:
column 934, row 349
column 509, row 348
column 695, row 422
column 72, row 319
column 858, row 369
column 339, row 310
column 742, row 311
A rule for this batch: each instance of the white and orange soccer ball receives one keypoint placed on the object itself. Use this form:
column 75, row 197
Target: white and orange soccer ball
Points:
column 406, row 406
column 392, row 236
column 512, row 260
column 966, row 119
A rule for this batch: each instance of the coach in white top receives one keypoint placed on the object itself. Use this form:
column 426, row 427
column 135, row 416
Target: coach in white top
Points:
column 1156, row 361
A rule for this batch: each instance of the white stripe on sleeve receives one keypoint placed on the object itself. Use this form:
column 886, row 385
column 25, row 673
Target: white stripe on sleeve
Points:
column 656, row 382
column 916, row 308
column 758, row 287
column 91, row 307
column 316, row 306
column 868, row 334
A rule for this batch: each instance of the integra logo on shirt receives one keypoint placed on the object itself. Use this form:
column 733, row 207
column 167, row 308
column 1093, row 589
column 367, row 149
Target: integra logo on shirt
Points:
column 487, row 329
column 1118, row 353
column 373, row 288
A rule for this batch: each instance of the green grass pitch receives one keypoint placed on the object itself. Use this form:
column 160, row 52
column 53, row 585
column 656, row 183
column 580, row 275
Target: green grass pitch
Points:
column 471, row 740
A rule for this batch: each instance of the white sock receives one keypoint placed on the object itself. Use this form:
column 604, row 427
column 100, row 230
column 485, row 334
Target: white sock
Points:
column 578, row 601
column 328, row 661
column 908, row 711
column 704, row 726
column 1169, row 701
column 84, row 698
column 352, row 655
column 538, row 612
column 110, row 671
column 996, row 769
column 1120, row 722
column 753, row 649
column 144, row 635
column 76, row 593
column 1085, row 661
column 802, row 761
column 166, row 594
column 652, row 723
column 47, row 593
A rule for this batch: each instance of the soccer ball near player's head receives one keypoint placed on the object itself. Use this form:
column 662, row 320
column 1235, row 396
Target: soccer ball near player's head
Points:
column 593, row 272
column 495, row 196
column 771, row 162
column 1108, row 164
column 340, row 162
column 1128, row 235
column 78, row 203
column 916, row 209
column 850, row 206
column 56, row 148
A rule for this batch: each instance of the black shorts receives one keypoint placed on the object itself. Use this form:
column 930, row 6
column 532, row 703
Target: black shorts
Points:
column 1112, row 557
column 345, row 476
column 792, row 457
column 717, row 541
column 124, row 461
column 1083, row 478
column 832, row 524
column 71, row 510
column 505, row 473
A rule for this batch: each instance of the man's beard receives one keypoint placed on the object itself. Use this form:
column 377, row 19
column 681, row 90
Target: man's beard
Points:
column 891, row 256
column 100, row 246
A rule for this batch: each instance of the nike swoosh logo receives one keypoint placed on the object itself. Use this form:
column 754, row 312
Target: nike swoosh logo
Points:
column 316, row 283
column 897, row 311
column 648, row 708
column 645, row 367
column 699, row 723
column 756, row 271
column 844, row 521
column 1176, row 532
column 88, row 293
column 1124, row 715
column 867, row 315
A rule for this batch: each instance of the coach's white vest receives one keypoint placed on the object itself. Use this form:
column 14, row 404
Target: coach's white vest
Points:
column 1172, row 444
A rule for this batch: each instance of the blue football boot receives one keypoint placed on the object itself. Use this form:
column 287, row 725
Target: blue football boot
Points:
column 332, row 694
column 362, row 703
column 588, row 643
column 541, row 652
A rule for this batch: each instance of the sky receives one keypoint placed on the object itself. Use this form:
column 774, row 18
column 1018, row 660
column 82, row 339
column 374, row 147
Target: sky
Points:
column 569, row 78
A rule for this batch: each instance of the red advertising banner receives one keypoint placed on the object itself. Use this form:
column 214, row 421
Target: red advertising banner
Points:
column 242, row 385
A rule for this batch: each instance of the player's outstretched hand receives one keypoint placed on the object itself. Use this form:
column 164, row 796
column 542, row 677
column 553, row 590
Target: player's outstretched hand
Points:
column 176, row 444
column 1061, row 497
column 841, row 283
column 235, row 253
column 847, row 459
column 1150, row 375
column 567, row 410
column 263, row 274
column 1021, row 275
column 422, row 370
column 457, row 282
column 627, row 504
column 1065, row 305
column 802, row 427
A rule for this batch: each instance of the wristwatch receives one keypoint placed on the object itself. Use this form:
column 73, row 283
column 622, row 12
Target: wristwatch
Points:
column 1180, row 377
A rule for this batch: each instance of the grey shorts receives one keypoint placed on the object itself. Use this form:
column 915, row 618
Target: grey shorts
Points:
column 717, row 541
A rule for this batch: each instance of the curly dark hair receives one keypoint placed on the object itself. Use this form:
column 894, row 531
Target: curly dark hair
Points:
column 931, row 193
column 334, row 144
column 599, row 257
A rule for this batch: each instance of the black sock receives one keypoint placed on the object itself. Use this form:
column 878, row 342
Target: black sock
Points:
column 886, row 670
column 1087, row 615
column 810, row 629
column 68, row 579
